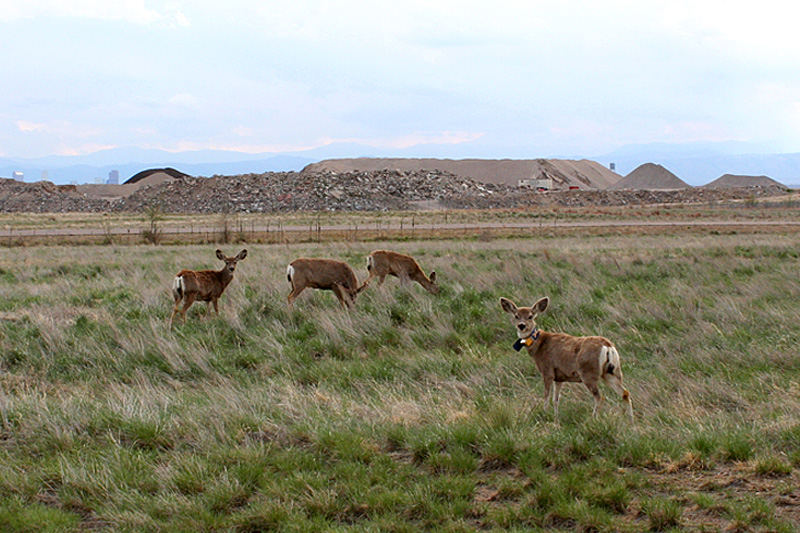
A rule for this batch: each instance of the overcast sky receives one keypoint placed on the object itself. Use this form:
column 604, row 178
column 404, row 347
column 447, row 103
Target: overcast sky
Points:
column 544, row 77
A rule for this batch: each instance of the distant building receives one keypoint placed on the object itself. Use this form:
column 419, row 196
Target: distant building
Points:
column 536, row 183
column 612, row 167
column 113, row 177
column 45, row 175
column 18, row 175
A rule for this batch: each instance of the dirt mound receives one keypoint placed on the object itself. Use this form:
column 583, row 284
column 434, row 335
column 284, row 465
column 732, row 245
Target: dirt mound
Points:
column 108, row 191
column 349, row 191
column 45, row 197
column 650, row 176
column 584, row 174
column 733, row 181
column 154, row 176
column 144, row 178
column 317, row 191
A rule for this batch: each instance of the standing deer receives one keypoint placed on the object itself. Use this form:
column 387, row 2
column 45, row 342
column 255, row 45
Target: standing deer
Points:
column 203, row 285
column 561, row 357
column 382, row 263
column 325, row 274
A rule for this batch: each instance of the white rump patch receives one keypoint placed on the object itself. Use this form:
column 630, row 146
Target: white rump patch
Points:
column 609, row 356
column 178, row 286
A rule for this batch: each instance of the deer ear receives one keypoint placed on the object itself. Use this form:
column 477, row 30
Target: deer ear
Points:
column 220, row 255
column 432, row 277
column 508, row 305
column 242, row 255
column 541, row 305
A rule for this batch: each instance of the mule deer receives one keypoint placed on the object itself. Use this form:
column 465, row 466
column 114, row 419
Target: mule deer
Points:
column 325, row 274
column 382, row 263
column 203, row 285
column 561, row 357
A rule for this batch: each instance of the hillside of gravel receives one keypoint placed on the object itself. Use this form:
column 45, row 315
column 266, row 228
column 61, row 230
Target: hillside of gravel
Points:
column 46, row 197
column 329, row 191
column 650, row 176
column 324, row 191
column 735, row 180
column 565, row 173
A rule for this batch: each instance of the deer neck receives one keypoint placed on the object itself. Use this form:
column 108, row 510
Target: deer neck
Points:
column 528, row 341
column 224, row 277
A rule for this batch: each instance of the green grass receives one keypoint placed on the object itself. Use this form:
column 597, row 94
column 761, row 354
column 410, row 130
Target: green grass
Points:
column 412, row 412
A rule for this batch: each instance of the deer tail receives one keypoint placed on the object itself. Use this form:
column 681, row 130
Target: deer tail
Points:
column 178, row 287
column 370, row 263
column 289, row 273
column 609, row 360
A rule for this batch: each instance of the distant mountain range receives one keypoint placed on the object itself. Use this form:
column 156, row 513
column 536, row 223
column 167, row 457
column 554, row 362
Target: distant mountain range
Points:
column 95, row 167
column 695, row 163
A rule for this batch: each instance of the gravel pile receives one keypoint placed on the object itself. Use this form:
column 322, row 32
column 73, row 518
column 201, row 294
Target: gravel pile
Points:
column 46, row 197
column 325, row 191
column 382, row 190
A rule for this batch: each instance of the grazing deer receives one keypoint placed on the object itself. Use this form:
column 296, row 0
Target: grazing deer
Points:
column 325, row 274
column 203, row 285
column 561, row 357
column 382, row 263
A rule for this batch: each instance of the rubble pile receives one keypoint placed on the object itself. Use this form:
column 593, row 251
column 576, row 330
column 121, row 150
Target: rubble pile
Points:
column 45, row 197
column 383, row 190
column 577, row 198
column 379, row 190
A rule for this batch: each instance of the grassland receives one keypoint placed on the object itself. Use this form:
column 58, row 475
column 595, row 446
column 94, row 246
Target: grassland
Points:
column 412, row 412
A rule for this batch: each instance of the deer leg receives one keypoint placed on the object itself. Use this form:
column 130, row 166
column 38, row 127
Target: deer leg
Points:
column 216, row 306
column 342, row 294
column 616, row 385
column 548, row 383
column 175, row 310
column 187, row 303
column 556, row 394
column 598, row 398
column 293, row 296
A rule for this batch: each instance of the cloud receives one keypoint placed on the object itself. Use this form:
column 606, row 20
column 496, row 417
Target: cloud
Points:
column 404, row 141
column 62, row 129
column 738, row 27
column 85, row 149
column 565, row 77
column 183, row 100
column 28, row 127
column 134, row 11
column 413, row 139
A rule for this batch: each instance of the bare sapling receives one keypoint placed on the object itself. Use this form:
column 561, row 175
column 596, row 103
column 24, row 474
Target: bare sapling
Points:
column 563, row 358
column 203, row 285
column 324, row 274
column 382, row 263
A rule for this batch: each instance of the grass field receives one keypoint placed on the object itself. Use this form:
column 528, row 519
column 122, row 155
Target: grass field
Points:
column 412, row 412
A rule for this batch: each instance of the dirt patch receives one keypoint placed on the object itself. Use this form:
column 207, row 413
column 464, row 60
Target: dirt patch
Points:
column 738, row 482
